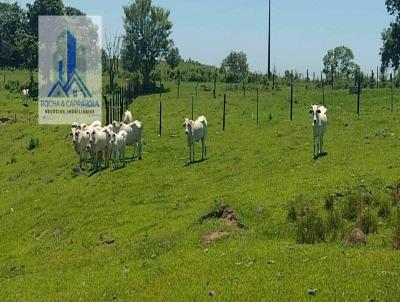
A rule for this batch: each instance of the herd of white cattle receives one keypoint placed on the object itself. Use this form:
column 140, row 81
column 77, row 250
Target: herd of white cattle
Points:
column 109, row 142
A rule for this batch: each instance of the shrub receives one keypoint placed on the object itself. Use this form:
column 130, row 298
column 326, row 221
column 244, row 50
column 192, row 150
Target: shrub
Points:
column 329, row 202
column 396, row 232
column 334, row 222
column 368, row 222
column 33, row 143
column 310, row 228
column 395, row 193
column 352, row 206
column 384, row 208
column 292, row 214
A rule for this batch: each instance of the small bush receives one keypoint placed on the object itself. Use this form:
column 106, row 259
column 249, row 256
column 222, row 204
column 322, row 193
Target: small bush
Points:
column 33, row 143
column 329, row 202
column 368, row 222
column 292, row 214
column 396, row 232
column 334, row 222
column 352, row 206
column 384, row 209
column 395, row 193
column 310, row 228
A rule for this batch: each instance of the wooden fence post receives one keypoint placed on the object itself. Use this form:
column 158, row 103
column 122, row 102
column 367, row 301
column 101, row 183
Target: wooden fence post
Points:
column 291, row 97
column 377, row 77
column 160, row 127
column 257, row 106
column 244, row 90
column 323, row 90
column 223, row 116
column 273, row 81
column 358, row 93
column 391, row 91
column 192, row 106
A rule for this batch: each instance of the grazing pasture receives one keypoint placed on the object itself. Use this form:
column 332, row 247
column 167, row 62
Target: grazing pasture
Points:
column 137, row 233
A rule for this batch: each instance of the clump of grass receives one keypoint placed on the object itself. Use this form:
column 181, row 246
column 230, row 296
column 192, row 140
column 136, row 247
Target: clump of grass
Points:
column 368, row 222
column 329, row 202
column 270, row 117
column 292, row 214
column 12, row 160
column 334, row 222
column 352, row 206
column 33, row 143
column 395, row 193
column 384, row 209
column 310, row 228
column 396, row 232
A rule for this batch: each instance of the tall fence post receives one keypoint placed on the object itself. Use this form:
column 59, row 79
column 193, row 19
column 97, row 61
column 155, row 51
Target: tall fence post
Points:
column 257, row 106
column 273, row 81
column 106, row 107
column 192, row 106
column 377, row 77
column 358, row 93
column 244, row 90
column 215, row 83
column 223, row 115
column 291, row 97
column 160, row 127
column 323, row 90
column 391, row 91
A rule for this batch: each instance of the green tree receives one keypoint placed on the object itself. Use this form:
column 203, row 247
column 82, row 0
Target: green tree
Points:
column 42, row 8
column 173, row 57
column 146, row 39
column 235, row 67
column 338, row 63
column 12, row 19
column 390, row 51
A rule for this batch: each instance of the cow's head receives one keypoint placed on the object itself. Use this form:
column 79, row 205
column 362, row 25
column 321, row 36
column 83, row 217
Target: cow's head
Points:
column 188, row 125
column 315, row 111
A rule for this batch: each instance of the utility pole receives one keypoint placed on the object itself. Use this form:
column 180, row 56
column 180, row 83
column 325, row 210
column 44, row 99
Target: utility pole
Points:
column 269, row 39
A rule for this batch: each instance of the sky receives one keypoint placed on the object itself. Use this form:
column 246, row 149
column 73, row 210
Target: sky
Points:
column 301, row 30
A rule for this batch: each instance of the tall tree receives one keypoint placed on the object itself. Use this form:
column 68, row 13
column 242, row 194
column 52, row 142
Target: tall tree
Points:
column 147, row 37
column 235, row 67
column 12, row 20
column 42, row 8
column 339, row 62
column 111, row 58
column 390, row 51
column 173, row 57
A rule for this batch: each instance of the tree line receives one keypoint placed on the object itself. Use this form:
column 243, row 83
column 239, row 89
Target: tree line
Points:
column 147, row 53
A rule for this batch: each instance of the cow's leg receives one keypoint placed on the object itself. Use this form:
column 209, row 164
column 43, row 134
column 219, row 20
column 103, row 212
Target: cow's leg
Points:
column 139, row 145
column 314, row 146
column 202, row 148
column 322, row 144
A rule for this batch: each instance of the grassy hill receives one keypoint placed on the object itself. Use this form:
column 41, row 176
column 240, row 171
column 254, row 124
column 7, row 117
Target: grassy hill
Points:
column 136, row 233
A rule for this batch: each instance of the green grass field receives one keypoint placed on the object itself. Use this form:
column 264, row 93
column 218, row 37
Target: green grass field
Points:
column 134, row 234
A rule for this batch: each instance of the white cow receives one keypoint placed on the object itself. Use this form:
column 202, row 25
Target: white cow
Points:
column 319, row 123
column 118, row 142
column 99, row 143
column 25, row 96
column 195, row 131
column 127, row 117
column 134, row 137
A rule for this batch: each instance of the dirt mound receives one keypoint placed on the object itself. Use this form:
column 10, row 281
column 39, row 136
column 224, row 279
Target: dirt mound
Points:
column 356, row 236
column 227, row 215
column 208, row 238
column 6, row 120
